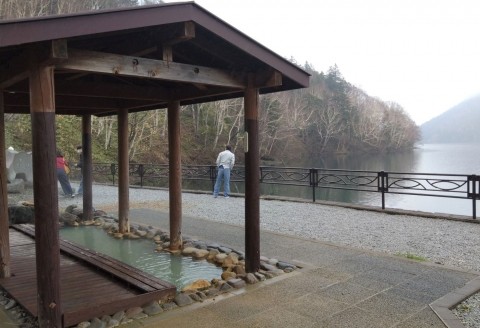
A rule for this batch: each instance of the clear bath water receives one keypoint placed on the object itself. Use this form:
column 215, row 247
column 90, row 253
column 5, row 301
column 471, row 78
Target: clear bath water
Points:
column 140, row 253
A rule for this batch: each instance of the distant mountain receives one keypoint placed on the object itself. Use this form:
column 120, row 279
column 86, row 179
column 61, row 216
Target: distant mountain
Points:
column 460, row 124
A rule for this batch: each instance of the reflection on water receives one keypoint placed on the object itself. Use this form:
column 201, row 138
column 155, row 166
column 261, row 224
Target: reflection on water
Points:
column 449, row 158
column 139, row 253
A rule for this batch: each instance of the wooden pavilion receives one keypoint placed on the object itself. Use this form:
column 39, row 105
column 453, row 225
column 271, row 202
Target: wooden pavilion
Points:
column 114, row 62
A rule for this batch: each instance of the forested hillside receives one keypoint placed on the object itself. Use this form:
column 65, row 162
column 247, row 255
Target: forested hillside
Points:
column 457, row 125
column 331, row 115
column 10, row 9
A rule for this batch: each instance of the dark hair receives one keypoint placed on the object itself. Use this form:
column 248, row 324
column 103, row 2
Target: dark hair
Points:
column 228, row 147
column 79, row 147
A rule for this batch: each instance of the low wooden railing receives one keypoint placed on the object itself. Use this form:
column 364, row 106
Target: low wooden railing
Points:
column 457, row 186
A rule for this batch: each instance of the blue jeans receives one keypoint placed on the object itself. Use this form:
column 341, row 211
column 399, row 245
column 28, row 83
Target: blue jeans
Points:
column 64, row 182
column 224, row 174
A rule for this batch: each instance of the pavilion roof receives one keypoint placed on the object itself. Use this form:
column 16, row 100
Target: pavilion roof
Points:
column 138, row 58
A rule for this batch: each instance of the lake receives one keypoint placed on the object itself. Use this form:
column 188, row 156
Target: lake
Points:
column 427, row 158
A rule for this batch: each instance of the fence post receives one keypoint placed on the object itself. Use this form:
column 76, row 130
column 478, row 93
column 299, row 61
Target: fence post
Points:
column 474, row 200
column 141, row 172
column 313, row 173
column 382, row 184
column 113, row 171
column 474, row 194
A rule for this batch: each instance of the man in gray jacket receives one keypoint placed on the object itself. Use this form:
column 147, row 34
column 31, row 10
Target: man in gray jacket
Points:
column 225, row 162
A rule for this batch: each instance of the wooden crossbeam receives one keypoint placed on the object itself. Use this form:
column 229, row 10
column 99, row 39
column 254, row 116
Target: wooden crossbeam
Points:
column 106, row 63
column 110, row 90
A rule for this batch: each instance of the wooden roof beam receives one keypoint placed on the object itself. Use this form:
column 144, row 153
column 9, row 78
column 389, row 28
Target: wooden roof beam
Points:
column 268, row 78
column 75, row 102
column 141, row 53
column 105, row 63
column 102, row 89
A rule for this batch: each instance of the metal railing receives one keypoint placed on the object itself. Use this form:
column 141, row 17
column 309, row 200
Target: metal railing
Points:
column 457, row 186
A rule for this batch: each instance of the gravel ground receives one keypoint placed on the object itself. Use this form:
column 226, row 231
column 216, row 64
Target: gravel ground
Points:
column 469, row 311
column 447, row 242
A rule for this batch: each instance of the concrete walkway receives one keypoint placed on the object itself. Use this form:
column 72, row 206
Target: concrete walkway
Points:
column 335, row 287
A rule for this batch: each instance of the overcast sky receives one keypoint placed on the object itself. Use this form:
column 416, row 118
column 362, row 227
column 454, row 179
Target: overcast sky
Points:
column 421, row 54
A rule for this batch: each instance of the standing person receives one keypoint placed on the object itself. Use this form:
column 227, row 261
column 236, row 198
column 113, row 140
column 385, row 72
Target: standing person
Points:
column 80, row 166
column 62, row 176
column 225, row 162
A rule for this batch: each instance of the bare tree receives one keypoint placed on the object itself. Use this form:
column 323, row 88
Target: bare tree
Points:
column 329, row 125
column 10, row 9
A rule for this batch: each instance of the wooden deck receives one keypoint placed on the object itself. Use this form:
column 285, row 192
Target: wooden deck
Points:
column 92, row 284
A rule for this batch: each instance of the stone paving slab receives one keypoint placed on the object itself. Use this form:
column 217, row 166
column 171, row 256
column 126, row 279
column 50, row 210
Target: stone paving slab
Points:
column 425, row 318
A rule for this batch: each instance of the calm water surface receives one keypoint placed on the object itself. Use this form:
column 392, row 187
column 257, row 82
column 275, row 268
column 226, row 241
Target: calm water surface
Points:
column 427, row 158
column 139, row 253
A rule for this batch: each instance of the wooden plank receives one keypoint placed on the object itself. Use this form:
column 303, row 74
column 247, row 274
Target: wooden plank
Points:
column 91, row 259
column 120, row 266
column 75, row 293
column 17, row 239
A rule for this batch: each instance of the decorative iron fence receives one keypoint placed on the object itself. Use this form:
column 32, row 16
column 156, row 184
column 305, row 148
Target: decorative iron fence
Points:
column 457, row 186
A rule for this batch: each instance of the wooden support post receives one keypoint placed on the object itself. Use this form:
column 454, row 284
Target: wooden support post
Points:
column 123, row 169
column 87, row 166
column 4, row 232
column 252, row 181
column 175, row 175
column 45, row 192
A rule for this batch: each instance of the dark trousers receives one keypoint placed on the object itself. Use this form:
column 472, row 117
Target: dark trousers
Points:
column 64, row 182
